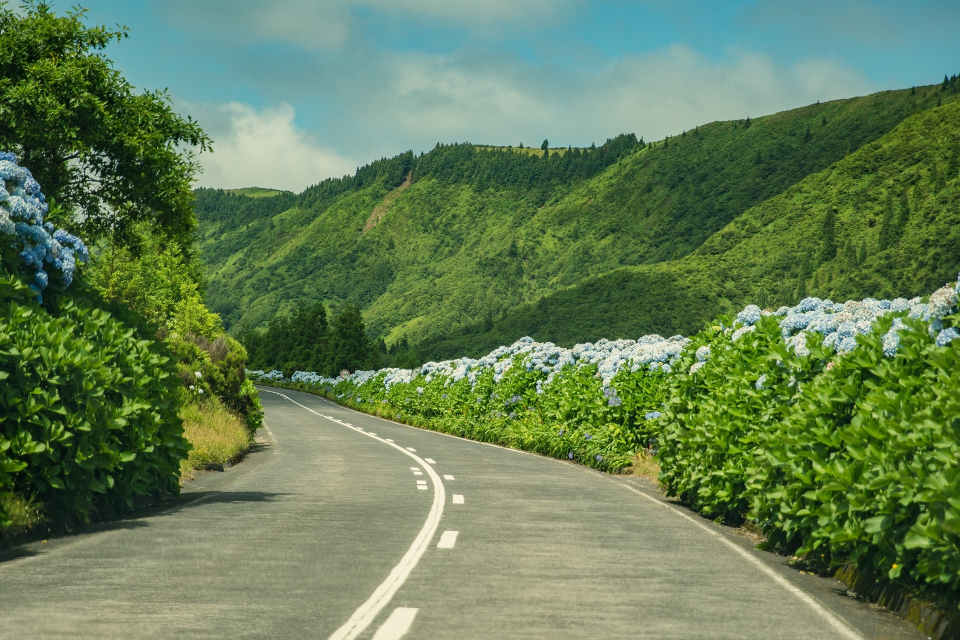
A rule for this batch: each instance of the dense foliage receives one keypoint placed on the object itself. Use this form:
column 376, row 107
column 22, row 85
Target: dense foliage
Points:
column 157, row 279
column 463, row 235
column 88, row 402
column 836, row 427
column 93, row 378
column 108, row 155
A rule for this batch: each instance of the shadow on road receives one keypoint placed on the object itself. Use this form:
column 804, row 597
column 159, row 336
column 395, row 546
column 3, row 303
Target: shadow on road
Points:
column 32, row 544
column 204, row 498
column 17, row 553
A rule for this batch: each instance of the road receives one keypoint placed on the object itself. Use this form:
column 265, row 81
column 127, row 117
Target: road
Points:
column 348, row 526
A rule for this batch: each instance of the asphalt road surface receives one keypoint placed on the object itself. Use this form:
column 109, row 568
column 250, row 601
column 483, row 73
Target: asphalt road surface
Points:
column 347, row 526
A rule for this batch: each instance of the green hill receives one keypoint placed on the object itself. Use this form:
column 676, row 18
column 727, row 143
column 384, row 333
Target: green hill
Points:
column 469, row 244
column 883, row 222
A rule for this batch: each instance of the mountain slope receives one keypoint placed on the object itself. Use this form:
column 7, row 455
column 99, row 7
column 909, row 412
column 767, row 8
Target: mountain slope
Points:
column 883, row 222
column 459, row 236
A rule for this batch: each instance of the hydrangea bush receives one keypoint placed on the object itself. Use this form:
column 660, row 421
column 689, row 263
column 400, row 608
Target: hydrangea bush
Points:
column 46, row 255
column 834, row 426
column 88, row 397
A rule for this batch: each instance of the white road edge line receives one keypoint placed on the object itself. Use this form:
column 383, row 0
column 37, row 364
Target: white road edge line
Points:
column 397, row 625
column 447, row 540
column 839, row 625
column 381, row 596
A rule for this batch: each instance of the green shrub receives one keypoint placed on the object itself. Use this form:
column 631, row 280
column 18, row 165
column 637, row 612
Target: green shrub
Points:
column 718, row 418
column 864, row 467
column 88, row 404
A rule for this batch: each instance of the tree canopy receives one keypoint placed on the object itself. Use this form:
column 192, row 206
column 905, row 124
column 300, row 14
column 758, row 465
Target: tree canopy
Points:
column 108, row 155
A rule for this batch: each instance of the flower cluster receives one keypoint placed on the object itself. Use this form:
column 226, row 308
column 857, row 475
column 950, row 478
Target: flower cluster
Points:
column 42, row 249
column 840, row 324
column 259, row 374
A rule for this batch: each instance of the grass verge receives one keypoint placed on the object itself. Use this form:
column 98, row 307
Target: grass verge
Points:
column 21, row 513
column 217, row 436
column 644, row 465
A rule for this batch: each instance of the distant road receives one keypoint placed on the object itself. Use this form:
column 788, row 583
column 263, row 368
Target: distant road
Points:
column 348, row 526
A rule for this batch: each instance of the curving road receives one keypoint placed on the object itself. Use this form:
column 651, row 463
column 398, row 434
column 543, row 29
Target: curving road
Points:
column 347, row 526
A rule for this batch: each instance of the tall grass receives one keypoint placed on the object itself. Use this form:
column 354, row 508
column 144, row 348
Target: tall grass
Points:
column 217, row 435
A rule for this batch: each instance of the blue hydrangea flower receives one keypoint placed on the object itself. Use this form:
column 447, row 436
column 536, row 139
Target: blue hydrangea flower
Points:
column 44, row 251
column 652, row 415
column 947, row 336
column 749, row 316
column 570, row 456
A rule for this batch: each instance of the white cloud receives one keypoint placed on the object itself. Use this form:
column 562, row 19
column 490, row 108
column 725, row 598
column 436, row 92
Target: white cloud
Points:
column 263, row 148
column 322, row 25
column 458, row 97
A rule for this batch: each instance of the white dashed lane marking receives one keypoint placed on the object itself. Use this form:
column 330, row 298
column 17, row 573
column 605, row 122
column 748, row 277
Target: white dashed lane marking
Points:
column 369, row 610
column 457, row 498
column 430, row 461
column 447, row 540
column 448, row 477
column 397, row 625
column 411, row 449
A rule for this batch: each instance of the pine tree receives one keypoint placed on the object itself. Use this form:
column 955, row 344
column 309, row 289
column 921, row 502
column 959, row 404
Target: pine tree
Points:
column 886, row 225
column 828, row 247
column 939, row 179
column 350, row 346
column 903, row 216
column 953, row 165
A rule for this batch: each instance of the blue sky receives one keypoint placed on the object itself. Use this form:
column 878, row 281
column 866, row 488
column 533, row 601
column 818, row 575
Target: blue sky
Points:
column 294, row 91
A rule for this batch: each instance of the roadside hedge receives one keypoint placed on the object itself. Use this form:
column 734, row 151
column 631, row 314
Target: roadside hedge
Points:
column 88, row 403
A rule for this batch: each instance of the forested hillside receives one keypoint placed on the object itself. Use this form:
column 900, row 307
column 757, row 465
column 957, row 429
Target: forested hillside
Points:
column 479, row 241
column 883, row 222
